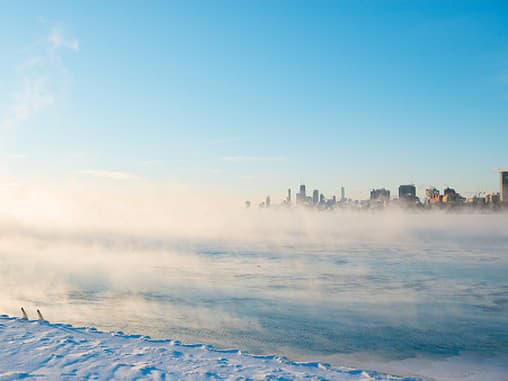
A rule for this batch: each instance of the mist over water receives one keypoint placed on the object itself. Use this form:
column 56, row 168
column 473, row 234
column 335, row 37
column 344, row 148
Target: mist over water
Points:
column 390, row 289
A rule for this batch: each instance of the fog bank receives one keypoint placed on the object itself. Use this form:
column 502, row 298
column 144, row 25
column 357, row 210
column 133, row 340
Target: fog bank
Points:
column 169, row 262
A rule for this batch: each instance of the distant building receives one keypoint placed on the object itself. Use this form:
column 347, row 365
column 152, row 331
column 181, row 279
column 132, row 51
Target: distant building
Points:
column 433, row 197
column 431, row 193
column 315, row 197
column 342, row 194
column 407, row 193
column 302, row 191
column 452, row 198
column 267, row 202
column 288, row 200
column 476, row 201
column 382, row 195
column 503, row 187
column 247, row 204
column 301, row 196
column 493, row 200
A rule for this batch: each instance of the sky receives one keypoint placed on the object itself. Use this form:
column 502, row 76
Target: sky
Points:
column 249, row 98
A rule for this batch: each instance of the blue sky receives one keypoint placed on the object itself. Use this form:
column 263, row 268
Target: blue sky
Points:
column 255, row 97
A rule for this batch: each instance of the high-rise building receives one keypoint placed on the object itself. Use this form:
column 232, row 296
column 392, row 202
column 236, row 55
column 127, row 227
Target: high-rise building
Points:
column 315, row 197
column 431, row 193
column 301, row 196
column 433, row 197
column 267, row 203
column 342, row 194
column 503, row 186
column 407, row 192
column 302, row 191
column 380, row 195
column 451, row 197
column 288, row 201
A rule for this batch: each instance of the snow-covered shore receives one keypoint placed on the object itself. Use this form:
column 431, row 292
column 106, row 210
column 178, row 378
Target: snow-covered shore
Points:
column 37, row 349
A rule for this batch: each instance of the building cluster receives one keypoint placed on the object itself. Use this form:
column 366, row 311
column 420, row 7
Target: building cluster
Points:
column 407, row 197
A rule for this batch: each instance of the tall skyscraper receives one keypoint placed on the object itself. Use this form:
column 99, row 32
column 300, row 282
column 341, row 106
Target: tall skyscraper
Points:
column 407, row 192
column 315, row 197
column 301, row 196
column 267, row 203
column 503, row 186
column 288, row 201
column 342, row 194
column 302, row 191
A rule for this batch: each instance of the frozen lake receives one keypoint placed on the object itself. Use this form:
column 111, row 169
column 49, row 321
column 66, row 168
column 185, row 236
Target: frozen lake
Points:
column 427, row 295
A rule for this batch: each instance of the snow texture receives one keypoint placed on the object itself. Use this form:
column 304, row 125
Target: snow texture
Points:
column 40, row 350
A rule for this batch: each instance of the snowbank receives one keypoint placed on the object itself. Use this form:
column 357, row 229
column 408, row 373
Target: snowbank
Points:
column 37, row 349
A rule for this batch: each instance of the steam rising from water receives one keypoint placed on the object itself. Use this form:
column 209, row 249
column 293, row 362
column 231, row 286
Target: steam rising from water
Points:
column 169, row 262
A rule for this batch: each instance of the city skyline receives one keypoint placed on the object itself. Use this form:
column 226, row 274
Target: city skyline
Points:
column 406, row 193
column 239, row 97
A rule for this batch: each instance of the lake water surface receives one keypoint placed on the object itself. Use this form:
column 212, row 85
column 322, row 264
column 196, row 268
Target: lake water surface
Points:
column 425, row 302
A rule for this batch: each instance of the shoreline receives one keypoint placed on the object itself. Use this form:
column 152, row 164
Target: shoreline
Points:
column 64, row 346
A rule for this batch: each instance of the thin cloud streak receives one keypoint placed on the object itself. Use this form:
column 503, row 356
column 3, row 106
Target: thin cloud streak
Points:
column 253, row 158
column 150, row 162
column 113, row 175
column 16, row 156
column 225, row 140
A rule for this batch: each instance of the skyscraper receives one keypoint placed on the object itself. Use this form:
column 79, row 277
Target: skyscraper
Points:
column 342, row 194
column 503, row 186
column 288, row 201
column 267, row 203
column 301, row 196
column 407, row 192
column 380, row 195
column 315, row 197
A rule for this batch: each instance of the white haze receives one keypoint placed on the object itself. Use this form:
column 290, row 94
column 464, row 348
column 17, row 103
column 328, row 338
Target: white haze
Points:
column 115, row 236
column 68, row 249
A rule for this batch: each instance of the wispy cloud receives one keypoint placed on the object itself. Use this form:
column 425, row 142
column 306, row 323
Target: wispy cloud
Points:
column 112, row 175
column 15, row 156
column 33, row 95
column 150, row 162
column 42, row 78
column 253, row 158
column 30, row 63
column 225, row 140
column 57, row 40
